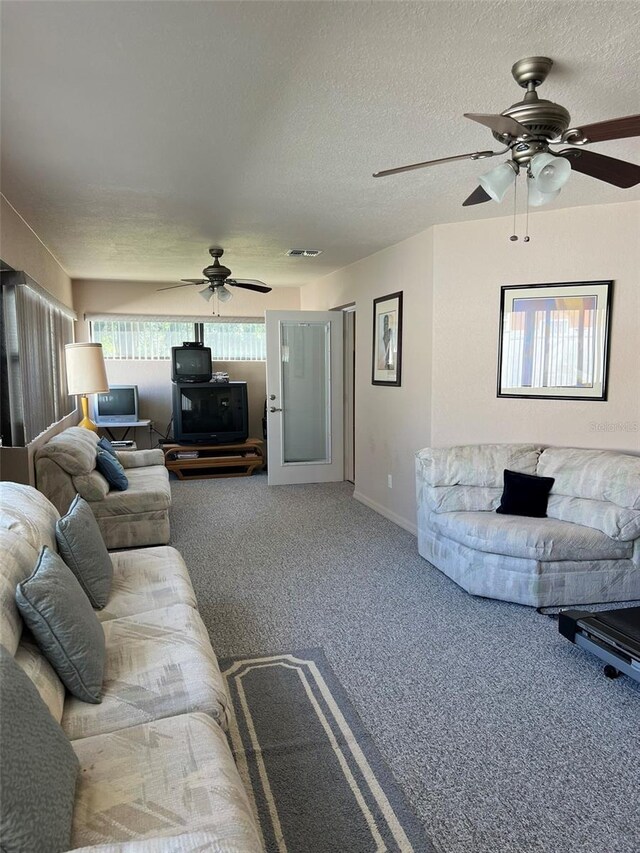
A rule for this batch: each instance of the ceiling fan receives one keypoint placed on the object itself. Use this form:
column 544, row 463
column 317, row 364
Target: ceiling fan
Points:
column 217, row 277
column 527, row 129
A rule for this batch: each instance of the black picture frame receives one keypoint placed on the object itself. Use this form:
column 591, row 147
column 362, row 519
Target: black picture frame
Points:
column 386, row 357
column 532, row 353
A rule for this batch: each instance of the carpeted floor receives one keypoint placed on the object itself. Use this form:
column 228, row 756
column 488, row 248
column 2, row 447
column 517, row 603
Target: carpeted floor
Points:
column 504, row 736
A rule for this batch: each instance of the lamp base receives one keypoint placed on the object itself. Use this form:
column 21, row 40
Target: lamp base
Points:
column 86, row 421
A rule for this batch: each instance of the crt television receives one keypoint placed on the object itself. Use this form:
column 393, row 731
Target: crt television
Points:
column 118, row 405
column 210, row 412
column 191, row 363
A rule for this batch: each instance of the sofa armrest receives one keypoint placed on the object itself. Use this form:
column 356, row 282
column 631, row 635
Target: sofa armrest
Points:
column 140, row 458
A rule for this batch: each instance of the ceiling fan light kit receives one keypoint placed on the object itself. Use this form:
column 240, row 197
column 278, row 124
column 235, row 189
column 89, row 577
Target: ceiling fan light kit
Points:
column 549, row 172
column 527, row 129
column 536, row 198
column 497, row 181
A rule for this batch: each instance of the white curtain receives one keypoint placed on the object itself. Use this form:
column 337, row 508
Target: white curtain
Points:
column 36, row 328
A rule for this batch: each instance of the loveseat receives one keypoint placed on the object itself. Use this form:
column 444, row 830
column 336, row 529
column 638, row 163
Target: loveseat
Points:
column 156, row 773
column 586, row 550
column 66, row 466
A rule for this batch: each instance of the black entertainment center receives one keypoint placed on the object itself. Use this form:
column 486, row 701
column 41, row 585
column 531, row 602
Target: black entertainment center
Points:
column 205, row 412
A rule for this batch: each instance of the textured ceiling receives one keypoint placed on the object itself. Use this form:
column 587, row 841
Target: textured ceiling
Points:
column 135, row 135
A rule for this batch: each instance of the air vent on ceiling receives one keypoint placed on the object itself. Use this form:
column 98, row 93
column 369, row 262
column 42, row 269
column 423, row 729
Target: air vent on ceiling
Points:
column 304, row 253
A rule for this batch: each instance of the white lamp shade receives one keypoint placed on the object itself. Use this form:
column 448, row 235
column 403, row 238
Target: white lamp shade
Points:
column 206, row 294
column 536, row 198
column 496, row 182
column 86, row 373
column 550, row 173
column 224, row 295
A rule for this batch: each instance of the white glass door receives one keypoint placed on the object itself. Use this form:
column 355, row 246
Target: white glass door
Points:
column 304, row 397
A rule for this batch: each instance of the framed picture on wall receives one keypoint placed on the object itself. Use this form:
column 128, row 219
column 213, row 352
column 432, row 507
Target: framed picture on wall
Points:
column 554, row 340
column 387, row 340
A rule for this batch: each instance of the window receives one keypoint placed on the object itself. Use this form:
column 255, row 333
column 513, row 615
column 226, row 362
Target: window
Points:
column 149, row 340
column 137, row 338
column 236, row 341
column 34, row 331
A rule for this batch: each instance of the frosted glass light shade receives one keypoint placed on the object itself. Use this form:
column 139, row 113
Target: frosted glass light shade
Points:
column 550, row 173
column 86, row 373
column 206, row 294
column 537, row 198
column 496, row 182
column 224, row 295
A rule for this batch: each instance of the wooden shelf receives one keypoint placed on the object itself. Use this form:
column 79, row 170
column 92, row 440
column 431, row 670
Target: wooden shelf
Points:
column 215, row 460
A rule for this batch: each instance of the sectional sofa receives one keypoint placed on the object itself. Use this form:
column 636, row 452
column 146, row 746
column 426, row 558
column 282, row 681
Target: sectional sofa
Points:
column 156, row 773
column 586, row 550
column 66, row 466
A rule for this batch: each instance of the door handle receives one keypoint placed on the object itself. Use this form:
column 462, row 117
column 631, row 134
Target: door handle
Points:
column 273, row 409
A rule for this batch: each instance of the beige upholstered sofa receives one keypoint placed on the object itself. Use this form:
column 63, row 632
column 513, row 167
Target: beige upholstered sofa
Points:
column 156, row 773
column 66, row 466
column 587, row 550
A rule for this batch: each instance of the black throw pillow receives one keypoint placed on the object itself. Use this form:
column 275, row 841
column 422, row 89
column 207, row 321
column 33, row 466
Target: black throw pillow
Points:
column 525, row 494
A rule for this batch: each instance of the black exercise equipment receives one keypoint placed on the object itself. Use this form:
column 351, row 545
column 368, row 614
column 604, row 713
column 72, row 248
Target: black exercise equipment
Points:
column 612, row 635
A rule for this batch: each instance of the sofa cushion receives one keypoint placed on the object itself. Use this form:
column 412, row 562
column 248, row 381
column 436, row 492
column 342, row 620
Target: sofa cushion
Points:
column 616, row 521
column 105, row 444
column 92, row 486
column 29, row 514
column 525, row 494
column 148, row 490
column 476, row 464
column 58, row 613
column 601, row 475
column 16, row 564
column 82, row 548
column 35, row 665
column 159, row 779
column 529, row 538
column 111, row 469
column 38, row 770
column 147, row 579
column 158, row 664
column 140, row 458
column 74, row 450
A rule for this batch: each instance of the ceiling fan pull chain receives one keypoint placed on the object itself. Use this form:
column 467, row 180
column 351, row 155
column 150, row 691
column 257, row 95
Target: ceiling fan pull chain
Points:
column 526, row 221
column 514, row 236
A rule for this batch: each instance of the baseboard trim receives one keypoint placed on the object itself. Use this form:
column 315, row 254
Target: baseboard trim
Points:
column 382, row 510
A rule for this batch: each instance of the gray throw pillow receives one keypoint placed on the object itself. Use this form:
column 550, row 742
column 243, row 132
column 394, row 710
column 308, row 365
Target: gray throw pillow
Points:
column 59, row 615
column 38, row 770
column 82, row 548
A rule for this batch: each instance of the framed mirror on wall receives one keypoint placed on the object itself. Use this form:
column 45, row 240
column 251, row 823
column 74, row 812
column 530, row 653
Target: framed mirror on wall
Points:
column 554, row 340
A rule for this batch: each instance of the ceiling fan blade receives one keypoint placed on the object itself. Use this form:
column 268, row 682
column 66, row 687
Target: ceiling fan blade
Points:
column 615, row 128
column 249, row 284
column 478, row 196
column 620, row 173
column 475, row 155
column 195, row 280
column 500, row 124
column 173, row 286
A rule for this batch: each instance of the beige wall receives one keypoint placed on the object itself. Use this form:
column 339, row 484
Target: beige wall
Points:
column 154, row 377
column 451, row 277
column 472, row 260
column 391, row 423
column 22, row 250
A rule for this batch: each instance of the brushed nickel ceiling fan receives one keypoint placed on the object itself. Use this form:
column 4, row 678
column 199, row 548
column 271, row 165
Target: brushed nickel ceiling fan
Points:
column 527, row 129
column 217, row 277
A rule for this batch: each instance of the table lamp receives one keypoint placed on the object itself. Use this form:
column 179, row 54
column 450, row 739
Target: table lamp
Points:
column 86, row 374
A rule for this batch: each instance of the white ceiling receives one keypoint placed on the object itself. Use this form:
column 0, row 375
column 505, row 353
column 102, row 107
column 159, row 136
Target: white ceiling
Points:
column 135, row 135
